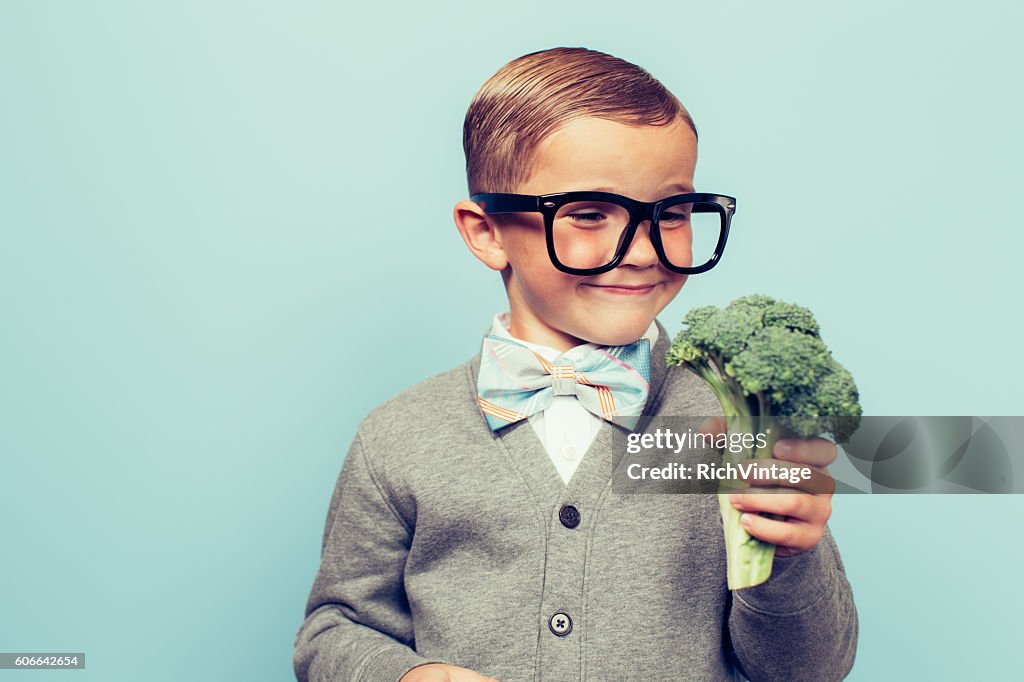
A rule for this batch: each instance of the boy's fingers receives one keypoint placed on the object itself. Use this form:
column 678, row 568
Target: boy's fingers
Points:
column 713, row 426
column 798, row 535
column 803, row 508
column 818, row 452
column 794, row 534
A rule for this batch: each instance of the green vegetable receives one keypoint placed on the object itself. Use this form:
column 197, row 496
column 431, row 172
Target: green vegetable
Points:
column 772, row 373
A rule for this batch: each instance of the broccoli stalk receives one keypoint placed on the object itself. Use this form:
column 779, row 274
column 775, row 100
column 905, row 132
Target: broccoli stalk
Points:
column 765, row 361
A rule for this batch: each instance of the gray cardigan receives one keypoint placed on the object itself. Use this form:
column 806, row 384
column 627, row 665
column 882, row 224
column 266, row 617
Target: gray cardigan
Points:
column 446, row 542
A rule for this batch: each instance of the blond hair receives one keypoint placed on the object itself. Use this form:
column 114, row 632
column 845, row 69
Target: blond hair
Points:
column 532, row 96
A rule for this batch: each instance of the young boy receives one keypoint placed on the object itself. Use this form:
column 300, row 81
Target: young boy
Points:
column 473, row 533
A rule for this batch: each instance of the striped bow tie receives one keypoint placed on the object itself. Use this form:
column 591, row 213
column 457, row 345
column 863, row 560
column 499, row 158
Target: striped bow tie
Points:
column 515, row 382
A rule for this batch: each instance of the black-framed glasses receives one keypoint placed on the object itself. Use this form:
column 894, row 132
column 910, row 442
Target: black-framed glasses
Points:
column 590, row 232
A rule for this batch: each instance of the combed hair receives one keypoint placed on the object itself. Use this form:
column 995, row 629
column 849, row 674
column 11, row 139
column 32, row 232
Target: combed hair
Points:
column 533, row 96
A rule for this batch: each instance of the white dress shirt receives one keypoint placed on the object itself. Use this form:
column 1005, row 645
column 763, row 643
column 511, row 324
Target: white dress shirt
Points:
column 566, row 428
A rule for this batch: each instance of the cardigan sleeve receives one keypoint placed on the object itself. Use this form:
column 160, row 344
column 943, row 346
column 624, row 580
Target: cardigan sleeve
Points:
column 801, row 623
column 358, row 625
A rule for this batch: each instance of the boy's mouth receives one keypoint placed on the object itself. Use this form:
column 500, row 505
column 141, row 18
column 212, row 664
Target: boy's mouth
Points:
column 626, row 289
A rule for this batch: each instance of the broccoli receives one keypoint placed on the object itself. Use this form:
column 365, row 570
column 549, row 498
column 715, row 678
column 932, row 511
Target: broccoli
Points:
column 765, row 361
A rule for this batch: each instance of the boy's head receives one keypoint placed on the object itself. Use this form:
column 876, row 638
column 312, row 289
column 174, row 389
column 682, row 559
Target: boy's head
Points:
column 573, row 119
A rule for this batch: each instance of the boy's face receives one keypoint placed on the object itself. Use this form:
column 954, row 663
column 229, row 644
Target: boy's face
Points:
column 551, row 307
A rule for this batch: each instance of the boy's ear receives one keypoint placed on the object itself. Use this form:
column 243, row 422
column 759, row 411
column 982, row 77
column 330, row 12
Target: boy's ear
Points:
column 481, row 233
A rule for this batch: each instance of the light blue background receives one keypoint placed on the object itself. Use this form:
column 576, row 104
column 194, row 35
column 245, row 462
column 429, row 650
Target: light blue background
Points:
column 227, row 234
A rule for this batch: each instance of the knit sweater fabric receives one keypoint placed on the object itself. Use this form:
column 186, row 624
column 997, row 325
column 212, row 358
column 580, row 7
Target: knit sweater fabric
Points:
column 444, row 543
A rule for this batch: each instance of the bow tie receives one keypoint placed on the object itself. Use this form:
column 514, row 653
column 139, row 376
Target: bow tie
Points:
column 515, row 382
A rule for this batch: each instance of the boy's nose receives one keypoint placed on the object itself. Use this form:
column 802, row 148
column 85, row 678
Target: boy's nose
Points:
column 641, row 251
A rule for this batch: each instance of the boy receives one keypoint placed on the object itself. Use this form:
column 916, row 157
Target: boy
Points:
column 473, row 534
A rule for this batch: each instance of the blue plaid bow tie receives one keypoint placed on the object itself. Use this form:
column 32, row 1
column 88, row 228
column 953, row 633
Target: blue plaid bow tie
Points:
column 515, row 382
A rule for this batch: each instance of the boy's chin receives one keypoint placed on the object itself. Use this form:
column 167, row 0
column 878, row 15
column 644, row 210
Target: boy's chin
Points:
column 620, row 336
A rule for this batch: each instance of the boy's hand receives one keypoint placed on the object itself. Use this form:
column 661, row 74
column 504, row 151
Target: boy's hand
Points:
column 806, row 512
column 439, row 672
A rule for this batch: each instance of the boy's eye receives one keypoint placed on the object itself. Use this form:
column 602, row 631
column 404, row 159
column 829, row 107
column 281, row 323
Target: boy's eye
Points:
column 592, row 218
column 596, row 215
column 671, row 219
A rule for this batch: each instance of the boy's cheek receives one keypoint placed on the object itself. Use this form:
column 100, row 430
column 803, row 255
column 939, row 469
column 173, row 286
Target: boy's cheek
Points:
column 672, row 288
column 680, row 280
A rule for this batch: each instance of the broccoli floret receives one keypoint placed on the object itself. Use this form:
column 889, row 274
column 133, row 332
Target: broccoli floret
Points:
column 765, row 358
column 791, row 316
column 777, row 362
column 753, row 302
column 831, row 406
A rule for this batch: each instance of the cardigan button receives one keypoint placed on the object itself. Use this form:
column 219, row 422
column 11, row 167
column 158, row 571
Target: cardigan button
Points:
column 560, row 624
column 569, row 516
